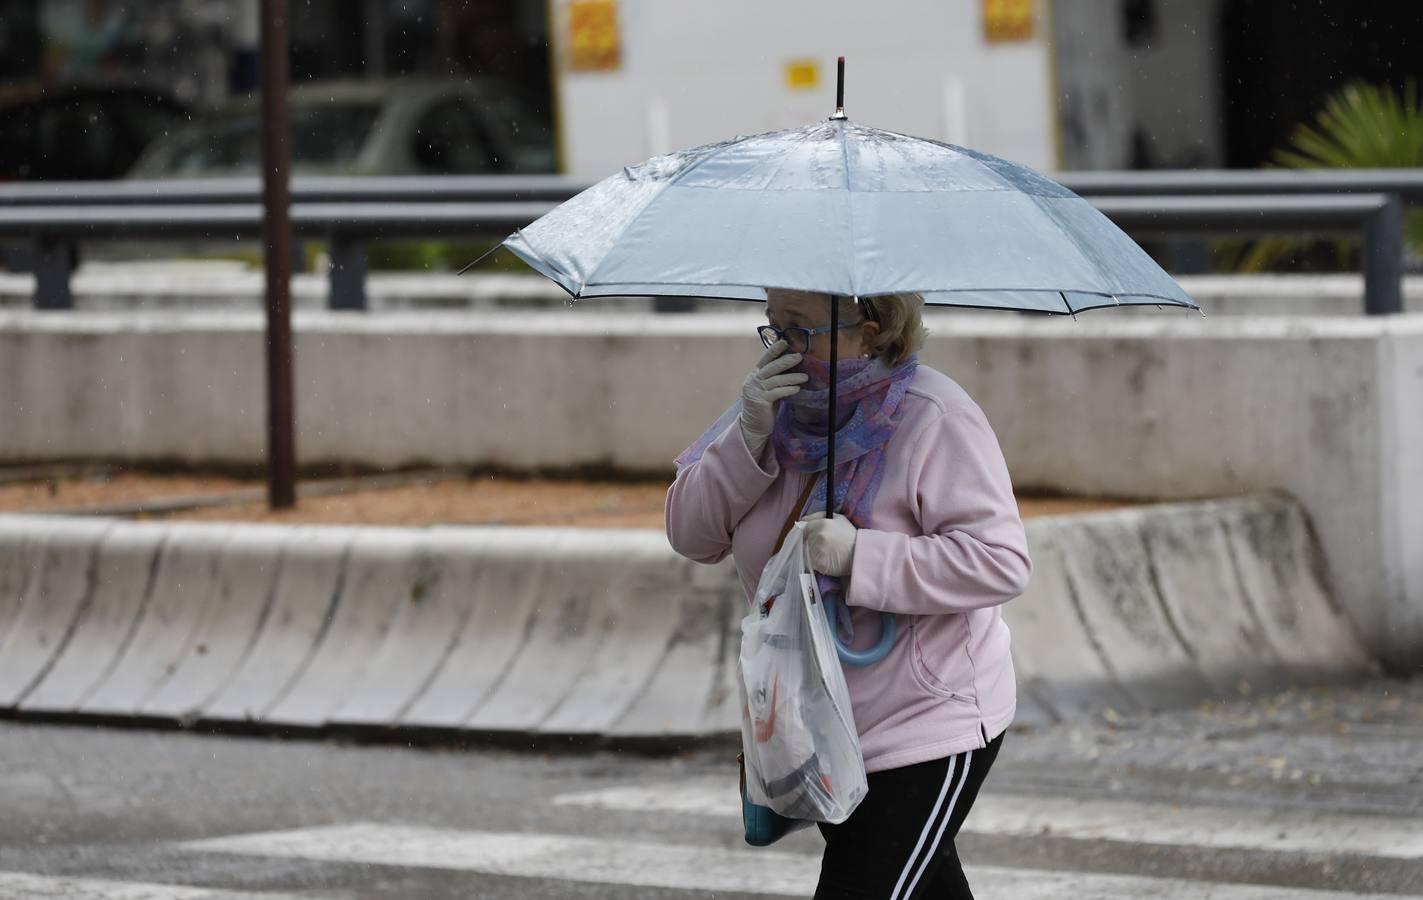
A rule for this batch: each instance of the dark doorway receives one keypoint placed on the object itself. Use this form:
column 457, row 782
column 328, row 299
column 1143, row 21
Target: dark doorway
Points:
column 1284, row 57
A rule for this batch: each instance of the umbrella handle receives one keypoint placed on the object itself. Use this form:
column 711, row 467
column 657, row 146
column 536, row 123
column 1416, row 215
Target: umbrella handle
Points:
column 858, row 658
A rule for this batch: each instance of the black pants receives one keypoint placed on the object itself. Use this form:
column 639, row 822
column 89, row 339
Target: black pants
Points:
column 898, row 844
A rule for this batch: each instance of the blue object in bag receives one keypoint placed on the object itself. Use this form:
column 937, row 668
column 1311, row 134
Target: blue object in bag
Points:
column 762, row 825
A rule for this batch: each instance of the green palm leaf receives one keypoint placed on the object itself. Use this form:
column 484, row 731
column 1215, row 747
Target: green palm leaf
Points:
column 1362, row 126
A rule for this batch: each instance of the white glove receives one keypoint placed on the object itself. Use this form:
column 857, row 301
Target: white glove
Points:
column 767, row 383
column 830, row 543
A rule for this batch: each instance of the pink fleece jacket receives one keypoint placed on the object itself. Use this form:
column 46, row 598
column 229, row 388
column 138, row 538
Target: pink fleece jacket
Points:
column 946, row 551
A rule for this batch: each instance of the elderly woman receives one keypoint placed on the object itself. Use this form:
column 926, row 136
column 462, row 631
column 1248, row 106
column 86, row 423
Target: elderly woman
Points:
column 926, row 528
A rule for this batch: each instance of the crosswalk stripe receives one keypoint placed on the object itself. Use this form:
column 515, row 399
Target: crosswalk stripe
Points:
column 676, row 866
column 536, row 856
column 1243, row 828
column 18, row 885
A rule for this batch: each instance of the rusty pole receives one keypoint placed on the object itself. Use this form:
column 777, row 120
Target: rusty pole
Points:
column 277, row 237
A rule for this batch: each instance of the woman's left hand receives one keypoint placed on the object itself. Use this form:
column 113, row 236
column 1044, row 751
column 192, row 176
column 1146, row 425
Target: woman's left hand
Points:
column 830, row 543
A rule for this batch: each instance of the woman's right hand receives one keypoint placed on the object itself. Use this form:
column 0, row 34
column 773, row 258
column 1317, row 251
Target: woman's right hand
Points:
column 768, row 382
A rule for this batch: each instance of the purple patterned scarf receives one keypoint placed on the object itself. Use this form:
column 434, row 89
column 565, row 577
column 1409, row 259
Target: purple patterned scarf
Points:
column 868, row 401
column 868, row 407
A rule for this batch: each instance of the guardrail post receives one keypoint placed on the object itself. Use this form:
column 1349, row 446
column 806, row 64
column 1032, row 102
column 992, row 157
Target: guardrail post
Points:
column 54, row 262
column 1383, row 259
column 347, row 284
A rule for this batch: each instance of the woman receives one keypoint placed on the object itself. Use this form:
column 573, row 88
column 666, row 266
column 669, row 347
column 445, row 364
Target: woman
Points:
column 926, row 528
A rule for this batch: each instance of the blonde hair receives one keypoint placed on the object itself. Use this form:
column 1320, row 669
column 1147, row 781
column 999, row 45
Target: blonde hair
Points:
column 901, row 324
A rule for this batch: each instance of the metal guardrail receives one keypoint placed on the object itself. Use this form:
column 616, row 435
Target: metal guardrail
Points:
column 347, row 227
column 1406, row 183
column 349, row 212
column 1376, row 218
column 304, row 189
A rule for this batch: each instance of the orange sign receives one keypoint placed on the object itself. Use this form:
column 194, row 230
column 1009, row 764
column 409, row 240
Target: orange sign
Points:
column 594, row 44
column 1007, row 20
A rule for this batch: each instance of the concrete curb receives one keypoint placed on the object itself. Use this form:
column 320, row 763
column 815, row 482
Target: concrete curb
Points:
column 593, row 634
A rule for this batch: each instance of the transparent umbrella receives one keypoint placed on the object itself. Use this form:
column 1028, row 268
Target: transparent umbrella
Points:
column 845, row 210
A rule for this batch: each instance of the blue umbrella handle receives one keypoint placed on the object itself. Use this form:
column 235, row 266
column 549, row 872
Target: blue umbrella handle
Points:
column 858, row 658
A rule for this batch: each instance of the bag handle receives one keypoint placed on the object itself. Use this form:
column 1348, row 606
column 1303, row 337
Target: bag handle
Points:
column 795, row 513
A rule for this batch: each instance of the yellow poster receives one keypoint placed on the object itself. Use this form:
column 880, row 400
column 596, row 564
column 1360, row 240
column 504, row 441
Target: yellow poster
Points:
column 594, row 44
column 1007, row 20
column 802, row 74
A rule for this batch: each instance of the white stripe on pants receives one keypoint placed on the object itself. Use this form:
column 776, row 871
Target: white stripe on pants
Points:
column 943, row 821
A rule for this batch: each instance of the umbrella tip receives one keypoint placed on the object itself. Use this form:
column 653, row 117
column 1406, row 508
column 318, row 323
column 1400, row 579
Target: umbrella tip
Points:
column 839, row 90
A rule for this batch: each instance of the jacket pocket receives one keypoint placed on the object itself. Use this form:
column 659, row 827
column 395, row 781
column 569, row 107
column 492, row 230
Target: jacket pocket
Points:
column 930, row 676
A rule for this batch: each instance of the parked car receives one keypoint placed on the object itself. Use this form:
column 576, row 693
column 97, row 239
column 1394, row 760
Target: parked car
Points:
column 407, row 126
column 81, row 132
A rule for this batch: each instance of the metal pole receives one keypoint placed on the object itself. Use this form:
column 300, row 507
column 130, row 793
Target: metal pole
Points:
column 1383, row 259
column 830, row 415
column 277, row 232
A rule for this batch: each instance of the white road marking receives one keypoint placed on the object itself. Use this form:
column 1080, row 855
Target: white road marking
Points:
column 677, row 866
column 1240, row 828
column 18, row 885
column 1244, row 828
column 689, row 797
column 535, row 856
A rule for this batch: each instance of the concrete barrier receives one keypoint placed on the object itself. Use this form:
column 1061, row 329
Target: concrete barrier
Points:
column 305, row 592
column 124, row 567
column 180, row 596
column 59, row 582
column 1152, row 406
column 1155, row 606
column 605, row 633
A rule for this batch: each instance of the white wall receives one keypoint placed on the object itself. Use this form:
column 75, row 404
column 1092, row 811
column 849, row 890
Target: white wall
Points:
column 1161, row 405
column 692, row 73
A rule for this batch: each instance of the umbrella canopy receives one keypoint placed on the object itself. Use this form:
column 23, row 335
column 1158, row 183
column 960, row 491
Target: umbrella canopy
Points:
column 840, row 208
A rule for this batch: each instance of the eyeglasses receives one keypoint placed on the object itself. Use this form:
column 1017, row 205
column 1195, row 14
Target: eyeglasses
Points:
column 797, row 339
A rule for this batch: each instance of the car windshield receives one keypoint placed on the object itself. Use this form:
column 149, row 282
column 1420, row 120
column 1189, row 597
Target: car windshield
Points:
column 330, row 135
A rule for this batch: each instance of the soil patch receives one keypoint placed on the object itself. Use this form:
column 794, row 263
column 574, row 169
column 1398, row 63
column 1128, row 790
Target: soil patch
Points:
column 412, row 500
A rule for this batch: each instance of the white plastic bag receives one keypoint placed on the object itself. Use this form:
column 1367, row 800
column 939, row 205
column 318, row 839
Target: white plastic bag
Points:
column 798, row 734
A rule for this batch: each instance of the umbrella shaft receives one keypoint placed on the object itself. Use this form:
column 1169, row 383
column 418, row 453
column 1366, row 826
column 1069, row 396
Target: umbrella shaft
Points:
column 830, row 422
